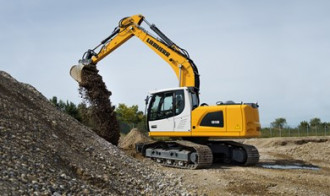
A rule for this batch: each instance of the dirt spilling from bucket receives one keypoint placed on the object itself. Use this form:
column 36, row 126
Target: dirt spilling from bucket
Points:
column 94, row 91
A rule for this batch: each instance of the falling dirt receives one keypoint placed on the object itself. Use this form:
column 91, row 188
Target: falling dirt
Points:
column 93, row 90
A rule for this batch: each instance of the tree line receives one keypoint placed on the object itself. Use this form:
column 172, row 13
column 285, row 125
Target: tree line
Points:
column 314, row 123
column 280, row 128
column 128, row 116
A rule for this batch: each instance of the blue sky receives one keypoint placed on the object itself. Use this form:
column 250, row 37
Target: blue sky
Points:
column 276, row 53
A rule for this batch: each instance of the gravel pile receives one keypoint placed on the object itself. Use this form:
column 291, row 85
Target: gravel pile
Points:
column 43, row 151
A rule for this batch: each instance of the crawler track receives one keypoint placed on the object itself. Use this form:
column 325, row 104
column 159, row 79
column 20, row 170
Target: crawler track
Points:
column 179, row 154
column 250, row 153
column 190, row 155
column 204, row 154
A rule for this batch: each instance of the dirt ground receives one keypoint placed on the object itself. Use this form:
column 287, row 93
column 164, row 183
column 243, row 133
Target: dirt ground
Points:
column 312, row 152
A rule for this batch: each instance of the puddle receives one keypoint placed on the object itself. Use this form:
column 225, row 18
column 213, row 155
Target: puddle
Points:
column 292, row 166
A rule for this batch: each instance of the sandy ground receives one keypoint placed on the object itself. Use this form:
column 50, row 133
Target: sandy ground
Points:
column 233, row 180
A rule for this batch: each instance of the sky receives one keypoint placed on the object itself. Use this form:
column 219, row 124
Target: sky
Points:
column 276, row 53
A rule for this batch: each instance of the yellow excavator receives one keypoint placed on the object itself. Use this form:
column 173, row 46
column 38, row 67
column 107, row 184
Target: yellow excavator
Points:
column 177, row 112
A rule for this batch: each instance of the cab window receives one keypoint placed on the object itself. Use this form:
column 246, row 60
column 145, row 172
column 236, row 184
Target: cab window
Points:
column 166, row 105
column 154, row 107
column 194, row 100
column 179, row 102
column 166, row 109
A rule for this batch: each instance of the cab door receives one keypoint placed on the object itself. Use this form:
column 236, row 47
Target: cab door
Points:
column 161, row 112
column 182, row 118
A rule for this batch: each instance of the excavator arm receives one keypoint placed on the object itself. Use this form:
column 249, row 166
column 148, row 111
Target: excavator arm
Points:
column 176, row 57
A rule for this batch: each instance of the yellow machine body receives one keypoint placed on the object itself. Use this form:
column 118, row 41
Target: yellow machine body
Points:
column 237, row 121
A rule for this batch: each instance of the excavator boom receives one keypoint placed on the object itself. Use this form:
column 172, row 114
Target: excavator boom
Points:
column 177, row 58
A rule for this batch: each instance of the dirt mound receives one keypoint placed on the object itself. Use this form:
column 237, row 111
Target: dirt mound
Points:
column 132, row 138
column 315, row 150
column 93, row 90
column 44, row 151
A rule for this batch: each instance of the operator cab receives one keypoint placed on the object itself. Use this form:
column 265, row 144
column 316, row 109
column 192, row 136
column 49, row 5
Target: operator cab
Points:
column 170, row 109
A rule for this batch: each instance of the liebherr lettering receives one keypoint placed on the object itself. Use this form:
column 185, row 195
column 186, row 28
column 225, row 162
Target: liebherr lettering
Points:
column 159, row 48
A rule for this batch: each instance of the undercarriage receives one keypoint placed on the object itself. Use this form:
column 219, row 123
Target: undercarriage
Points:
column 197, row 155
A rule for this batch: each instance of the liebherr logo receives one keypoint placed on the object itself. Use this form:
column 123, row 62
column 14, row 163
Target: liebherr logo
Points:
column 160, row 49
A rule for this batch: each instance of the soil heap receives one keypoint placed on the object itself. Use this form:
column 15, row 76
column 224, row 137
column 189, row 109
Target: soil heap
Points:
column 314, row 149
column 132, row 138
column 45, row 151
column 93, row 90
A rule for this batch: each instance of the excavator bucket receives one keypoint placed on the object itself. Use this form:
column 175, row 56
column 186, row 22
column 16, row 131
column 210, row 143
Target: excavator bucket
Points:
column 75, row 72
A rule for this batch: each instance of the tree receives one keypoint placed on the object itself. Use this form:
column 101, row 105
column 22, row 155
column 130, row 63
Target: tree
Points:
column 303, row 125
column 325, row 127
column 130, row 115
column 72, row 109
column 326, row 124
column 68, row 107
column 85, row 114
column 315, row 123
column 279, row 123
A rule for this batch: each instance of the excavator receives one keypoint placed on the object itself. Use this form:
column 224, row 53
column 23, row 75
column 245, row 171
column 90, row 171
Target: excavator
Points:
column 199, row 130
